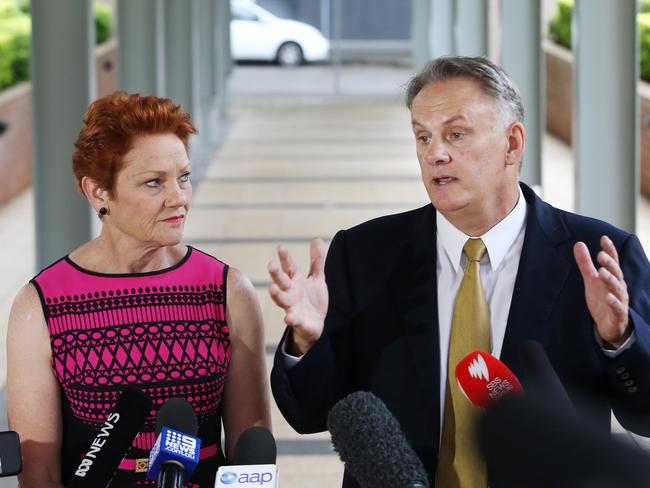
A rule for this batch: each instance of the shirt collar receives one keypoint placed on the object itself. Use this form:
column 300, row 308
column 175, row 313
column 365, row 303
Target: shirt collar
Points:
column 497, row 240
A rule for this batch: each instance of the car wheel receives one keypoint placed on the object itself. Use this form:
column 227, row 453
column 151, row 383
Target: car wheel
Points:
column 290, row 54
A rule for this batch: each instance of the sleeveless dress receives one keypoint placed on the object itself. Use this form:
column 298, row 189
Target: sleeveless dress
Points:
column 163, row 332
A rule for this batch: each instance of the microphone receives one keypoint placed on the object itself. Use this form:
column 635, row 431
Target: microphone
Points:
column 112, row 441
column 11, row 460
column 484, row 379
column 371, row 444
column 253, row 461
column 540, row 378
column 175, row 454
column 534, row 444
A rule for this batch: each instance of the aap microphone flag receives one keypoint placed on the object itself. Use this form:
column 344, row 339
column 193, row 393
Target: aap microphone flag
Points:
column 484, row 379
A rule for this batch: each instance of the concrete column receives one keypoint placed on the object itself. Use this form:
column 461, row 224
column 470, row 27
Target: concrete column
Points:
column 223, row 62
column 420, row 32
column 207, row 66
column 605, row 116
column 471, row 33
column 521, row 57
column 63, row 84
column 432, row 30
column 141, row 46
column 181, row 68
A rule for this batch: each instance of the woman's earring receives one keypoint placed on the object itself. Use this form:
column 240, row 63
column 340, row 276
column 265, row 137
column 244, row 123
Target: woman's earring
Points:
column 102, row 211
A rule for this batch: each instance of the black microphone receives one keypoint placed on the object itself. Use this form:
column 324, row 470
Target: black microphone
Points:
column 371, row 443
column 253, row 462
column 531, row 443
column 11, row 460
column 539, row 378
column 112, row 441
column 256, row 445
column 175, row 454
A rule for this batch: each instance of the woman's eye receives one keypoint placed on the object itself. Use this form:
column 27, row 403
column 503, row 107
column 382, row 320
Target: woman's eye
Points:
column 424, row 139
column 155, row 183
column 185, row 177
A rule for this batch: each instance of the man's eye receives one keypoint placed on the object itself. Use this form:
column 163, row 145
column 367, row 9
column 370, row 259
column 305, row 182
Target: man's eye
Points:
column 185, row 177
column 424, row 139
column 457, row 135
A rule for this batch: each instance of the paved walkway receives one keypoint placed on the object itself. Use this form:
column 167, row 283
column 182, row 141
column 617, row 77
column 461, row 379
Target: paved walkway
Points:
column 290, row 169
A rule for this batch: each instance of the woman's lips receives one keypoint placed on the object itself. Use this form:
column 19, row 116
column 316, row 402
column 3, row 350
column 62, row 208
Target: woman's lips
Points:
column 174, row 220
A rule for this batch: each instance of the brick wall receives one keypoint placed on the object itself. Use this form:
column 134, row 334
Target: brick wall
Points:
column 16, row 111
column 559, row 90
column 16, row 141
column 559, row 104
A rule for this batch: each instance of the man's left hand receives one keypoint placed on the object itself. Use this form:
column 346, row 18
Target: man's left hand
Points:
column 605, row 292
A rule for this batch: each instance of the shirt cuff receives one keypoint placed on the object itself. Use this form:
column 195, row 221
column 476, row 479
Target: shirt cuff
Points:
column 611, row 353
column 289, row 360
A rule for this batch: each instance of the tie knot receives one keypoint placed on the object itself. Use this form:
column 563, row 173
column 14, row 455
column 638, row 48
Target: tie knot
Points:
column 474, row 249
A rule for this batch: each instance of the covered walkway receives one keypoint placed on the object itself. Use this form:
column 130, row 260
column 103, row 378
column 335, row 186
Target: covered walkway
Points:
column 292, row 167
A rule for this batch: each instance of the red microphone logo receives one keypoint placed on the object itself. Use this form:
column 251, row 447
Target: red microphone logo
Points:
column 478, row 369
column 484, row 379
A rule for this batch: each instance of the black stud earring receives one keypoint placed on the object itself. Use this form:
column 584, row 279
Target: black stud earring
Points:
column 103, row 211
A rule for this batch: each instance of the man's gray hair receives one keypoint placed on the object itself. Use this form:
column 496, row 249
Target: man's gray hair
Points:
column 493, row 80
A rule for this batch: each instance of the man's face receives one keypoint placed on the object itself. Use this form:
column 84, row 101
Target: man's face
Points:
column 153, row 191
column 464, row 146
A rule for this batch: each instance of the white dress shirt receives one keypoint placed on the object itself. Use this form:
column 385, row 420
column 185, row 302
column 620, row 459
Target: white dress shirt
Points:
column 498, row 271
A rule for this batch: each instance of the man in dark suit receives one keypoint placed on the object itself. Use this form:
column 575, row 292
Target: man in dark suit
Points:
column 382, row 313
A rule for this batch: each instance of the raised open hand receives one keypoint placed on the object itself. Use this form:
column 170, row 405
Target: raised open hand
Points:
column 605, row 291
column 303, row 298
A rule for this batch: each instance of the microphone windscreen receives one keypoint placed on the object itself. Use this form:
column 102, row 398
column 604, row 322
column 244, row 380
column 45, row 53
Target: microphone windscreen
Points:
column 177, row 414
column 256, row 445
column 539, row 377
column 484, row 379
column 371, row 443
column 536, row 444
column 112, row 441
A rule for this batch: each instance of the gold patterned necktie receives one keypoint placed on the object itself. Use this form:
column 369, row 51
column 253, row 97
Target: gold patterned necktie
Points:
column 460, row 464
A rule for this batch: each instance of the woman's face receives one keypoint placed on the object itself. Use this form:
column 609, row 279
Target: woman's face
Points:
column 152, row 191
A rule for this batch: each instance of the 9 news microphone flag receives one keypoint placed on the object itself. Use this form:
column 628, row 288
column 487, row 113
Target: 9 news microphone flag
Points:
column 175, row 454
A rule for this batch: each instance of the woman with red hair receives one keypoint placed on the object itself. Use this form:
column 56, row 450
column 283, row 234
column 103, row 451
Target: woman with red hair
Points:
column 135, row 307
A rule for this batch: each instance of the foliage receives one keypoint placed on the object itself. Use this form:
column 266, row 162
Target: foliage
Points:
column 103, row 23
column 559, row 28
column 15, row 38
column 15, row 32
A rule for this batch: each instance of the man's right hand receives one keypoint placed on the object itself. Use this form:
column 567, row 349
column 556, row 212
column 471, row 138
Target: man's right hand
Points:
column 303, row 298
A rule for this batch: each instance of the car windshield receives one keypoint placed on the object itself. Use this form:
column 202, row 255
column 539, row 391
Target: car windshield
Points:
column 242, row 13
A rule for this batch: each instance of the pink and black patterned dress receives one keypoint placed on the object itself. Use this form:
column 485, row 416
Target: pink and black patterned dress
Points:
column 164, row 332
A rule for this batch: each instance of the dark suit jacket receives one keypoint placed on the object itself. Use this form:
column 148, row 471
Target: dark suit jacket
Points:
column 381, row 330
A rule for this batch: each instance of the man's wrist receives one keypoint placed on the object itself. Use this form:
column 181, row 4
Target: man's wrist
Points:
column 615, row 345
column 296, row 346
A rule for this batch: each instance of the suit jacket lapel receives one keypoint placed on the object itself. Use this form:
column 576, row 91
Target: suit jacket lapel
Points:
column 542, row 272
column 416, row 292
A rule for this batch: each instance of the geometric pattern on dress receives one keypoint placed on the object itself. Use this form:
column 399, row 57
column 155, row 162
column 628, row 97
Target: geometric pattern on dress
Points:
column 167, row 334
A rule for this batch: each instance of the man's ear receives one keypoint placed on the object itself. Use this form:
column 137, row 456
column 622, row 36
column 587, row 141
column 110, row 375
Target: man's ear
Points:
column 516, row 143
column 96, row 195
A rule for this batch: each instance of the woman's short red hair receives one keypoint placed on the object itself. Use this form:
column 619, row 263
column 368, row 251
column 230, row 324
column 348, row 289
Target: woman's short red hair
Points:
column 112, row 123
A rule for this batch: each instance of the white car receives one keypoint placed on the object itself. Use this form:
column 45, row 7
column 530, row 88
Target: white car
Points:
column 258, row 35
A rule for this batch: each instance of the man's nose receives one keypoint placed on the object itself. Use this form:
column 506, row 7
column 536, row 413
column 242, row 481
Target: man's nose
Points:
column 437, row 153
